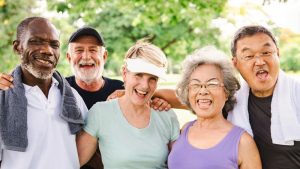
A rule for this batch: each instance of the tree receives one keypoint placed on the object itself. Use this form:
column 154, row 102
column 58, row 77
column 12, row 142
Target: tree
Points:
column 178, row 27
column 11, row 13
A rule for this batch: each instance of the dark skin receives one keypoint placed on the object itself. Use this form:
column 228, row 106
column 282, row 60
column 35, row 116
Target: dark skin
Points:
column 38, row 47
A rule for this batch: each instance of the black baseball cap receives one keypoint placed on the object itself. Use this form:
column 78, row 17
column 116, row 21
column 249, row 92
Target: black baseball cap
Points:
column 86, row 31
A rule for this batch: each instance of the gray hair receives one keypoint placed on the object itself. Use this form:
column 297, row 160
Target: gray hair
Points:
column 246, row 31
column 209, row 55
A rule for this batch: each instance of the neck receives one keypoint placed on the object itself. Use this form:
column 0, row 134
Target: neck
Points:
column 91, row 87
column 265, row 93
column 135, row 110
column 43, row 84
column 212, row 122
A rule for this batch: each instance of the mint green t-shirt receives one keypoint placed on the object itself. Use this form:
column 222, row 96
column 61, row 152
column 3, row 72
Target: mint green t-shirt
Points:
column 124, row 146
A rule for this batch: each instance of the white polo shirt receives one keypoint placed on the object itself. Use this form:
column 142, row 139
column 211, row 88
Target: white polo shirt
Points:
column 50, row 143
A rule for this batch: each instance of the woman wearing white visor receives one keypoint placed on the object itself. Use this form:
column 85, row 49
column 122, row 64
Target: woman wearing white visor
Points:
column 130, row 134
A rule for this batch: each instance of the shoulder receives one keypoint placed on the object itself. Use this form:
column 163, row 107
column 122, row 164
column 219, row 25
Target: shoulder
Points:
column 166, row 117
column 105, row 106
column 165, row 114
column 113, row 82
column 246, row 142
column 70, row 79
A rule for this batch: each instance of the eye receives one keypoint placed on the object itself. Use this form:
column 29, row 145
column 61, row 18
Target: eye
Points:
column 77, row 51
column 93, row 50
column 36, row 42
column 194, row 86
column 154, row 78
column 266, row 53
column 55, row 45
column 248, row 57
column 212, row 85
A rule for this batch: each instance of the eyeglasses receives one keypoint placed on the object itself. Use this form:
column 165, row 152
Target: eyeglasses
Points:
column 251, row 56
column 210, row 86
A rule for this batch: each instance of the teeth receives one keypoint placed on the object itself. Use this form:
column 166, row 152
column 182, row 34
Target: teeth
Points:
column 204, row 100
column 261, row 71
column 44, row 61
column 141, row 92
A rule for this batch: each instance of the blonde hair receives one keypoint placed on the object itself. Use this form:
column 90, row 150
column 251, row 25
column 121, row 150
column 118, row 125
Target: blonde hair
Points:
column 148, row 52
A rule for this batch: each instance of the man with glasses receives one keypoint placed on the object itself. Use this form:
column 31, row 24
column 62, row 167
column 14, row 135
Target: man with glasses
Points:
column 268, row 101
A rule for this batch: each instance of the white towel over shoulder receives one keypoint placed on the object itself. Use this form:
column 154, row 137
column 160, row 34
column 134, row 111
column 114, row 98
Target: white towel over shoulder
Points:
column 285, row 124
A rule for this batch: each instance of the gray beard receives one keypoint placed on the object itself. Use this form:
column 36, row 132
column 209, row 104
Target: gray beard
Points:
column 38, row 74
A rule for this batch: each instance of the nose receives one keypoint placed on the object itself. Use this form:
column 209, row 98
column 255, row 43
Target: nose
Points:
column 203, row 90
column 259, row 60
column 46, row 49
column 86, row 55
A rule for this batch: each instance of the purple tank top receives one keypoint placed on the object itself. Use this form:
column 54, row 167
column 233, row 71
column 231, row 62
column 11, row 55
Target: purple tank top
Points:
column 224, row 155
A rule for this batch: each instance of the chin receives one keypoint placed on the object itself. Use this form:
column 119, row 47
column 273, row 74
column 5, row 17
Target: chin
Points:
column 38, row 73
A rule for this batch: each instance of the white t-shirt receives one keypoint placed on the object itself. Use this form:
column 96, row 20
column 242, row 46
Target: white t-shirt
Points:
column 50, row 143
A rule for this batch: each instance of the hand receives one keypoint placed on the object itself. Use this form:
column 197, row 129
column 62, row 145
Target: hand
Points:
column 116, row 94
column 160, row 104
column 6, row 81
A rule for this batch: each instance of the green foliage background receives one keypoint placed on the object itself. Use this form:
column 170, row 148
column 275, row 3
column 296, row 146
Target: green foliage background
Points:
column 176, row 26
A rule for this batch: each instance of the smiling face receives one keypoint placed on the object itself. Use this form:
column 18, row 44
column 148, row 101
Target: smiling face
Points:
column 87, row 58
column 207, row 102
column 260, row 72
column 39, row 49
column 139, row 87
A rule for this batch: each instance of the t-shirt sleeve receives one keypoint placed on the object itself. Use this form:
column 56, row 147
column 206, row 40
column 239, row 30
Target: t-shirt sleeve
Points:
column 175, row 128
column 92, row 121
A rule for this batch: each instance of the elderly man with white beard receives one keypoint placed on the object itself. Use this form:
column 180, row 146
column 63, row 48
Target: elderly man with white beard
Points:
column 87, row 56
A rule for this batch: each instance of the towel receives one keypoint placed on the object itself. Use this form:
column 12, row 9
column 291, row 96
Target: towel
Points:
column 13, row 114
column 285, row 126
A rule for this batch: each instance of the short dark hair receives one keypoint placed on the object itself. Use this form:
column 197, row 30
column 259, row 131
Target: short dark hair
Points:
column 22, row 26
column 249, row 31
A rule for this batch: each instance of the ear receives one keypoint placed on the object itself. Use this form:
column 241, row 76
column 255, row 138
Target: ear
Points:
column 69, row 57
column 105, row 55
column 278, row 53
column 234, row 61
column 124, row 73
column 17, row 47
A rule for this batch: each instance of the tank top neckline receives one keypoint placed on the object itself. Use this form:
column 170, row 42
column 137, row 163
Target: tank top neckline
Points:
column 186, row 131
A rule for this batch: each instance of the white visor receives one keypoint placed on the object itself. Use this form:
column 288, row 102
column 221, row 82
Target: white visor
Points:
column 138, row 65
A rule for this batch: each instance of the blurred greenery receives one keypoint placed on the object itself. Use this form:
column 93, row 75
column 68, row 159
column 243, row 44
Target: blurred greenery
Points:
column 177, row 26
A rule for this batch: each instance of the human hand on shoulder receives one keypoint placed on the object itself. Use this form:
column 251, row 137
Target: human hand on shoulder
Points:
column 160, row 104
column 6, row 81
column 116, row 94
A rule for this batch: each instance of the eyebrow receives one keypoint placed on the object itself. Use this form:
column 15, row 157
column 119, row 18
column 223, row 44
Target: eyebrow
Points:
column 214, row 78
column 265, row 45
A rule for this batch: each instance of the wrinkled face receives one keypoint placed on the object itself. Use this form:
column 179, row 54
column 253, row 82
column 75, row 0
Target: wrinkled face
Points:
column 139, row 87
column 39, row 49
column 87, row 58
column 257, row 59
column 206, row 93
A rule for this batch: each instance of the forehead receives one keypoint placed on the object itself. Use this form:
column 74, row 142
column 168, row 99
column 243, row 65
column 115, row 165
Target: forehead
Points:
column 144, row 74
column 206, row 72
column 258, row 40
column 86, row 40
column 42, row 29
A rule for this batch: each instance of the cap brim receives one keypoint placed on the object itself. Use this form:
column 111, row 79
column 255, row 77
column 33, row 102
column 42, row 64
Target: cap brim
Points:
column 138, row 65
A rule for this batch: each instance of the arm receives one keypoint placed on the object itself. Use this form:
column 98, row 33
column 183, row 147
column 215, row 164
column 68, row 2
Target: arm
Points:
column 86, row 146
column 6, row 81
column 248, row 155
column 169, row 96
